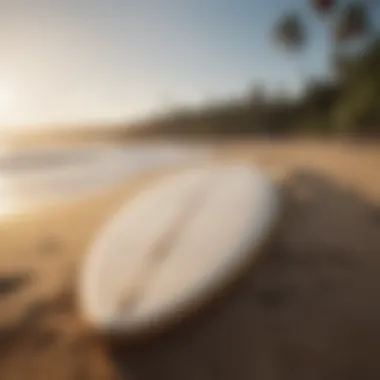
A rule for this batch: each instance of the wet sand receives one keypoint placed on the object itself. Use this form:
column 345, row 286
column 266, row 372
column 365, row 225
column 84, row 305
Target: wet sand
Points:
column 308, row 310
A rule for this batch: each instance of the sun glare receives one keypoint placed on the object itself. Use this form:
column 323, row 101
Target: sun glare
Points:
column 7, row 98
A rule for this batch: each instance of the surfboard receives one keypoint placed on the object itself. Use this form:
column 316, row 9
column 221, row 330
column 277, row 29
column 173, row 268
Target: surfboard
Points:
column 175, row 246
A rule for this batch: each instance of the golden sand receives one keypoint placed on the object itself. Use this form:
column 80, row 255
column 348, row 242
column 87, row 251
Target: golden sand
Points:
column 315, row 304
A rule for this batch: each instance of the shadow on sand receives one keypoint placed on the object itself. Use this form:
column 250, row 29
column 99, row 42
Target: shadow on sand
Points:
column 309, row 309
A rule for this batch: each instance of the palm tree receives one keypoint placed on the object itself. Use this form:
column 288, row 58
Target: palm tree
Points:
column 290, row 32
column 353, row 22
column 323, row 7
column 348, row 23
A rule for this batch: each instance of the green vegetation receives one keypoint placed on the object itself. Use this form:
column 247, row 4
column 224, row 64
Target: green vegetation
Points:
column 348, row 101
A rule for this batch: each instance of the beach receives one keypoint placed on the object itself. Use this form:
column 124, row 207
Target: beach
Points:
column 316, row 302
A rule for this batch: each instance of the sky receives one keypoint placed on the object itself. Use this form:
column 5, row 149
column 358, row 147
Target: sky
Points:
column 74, row 61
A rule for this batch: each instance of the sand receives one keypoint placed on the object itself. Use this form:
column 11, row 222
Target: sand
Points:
column 308, row 310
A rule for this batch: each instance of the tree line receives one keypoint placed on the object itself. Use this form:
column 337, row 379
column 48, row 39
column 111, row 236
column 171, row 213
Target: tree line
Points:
column 346, row 101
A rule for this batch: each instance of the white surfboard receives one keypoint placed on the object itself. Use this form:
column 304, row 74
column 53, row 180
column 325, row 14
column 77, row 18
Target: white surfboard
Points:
column 175, row 246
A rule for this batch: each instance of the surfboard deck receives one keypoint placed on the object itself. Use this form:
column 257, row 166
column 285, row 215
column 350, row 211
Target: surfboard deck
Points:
column 174, row 246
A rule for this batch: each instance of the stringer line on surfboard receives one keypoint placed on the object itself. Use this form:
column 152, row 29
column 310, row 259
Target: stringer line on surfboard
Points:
column 131, row 296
